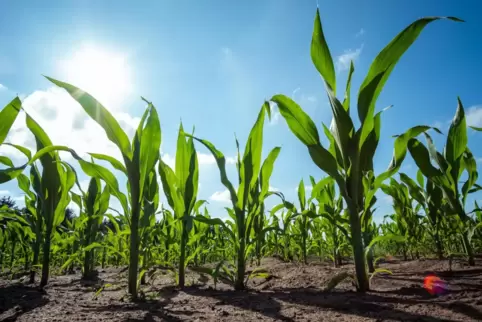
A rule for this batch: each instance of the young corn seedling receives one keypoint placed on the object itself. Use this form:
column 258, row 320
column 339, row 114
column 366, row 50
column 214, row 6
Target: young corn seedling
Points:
column 352, row 150
column 451, row 164
column 34, row 205
column 430, row 197
column 180, row 187
column 250, row 195
column 138, row 160
column 330, row 208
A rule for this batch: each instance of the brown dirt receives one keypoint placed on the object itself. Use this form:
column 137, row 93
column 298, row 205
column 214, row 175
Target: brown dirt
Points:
column 296, row 294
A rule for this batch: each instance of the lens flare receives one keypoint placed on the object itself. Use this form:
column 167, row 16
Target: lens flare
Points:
column 434, row 285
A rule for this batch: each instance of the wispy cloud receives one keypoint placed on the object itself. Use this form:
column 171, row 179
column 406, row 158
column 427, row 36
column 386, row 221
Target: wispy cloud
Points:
column 360, row 33
column 3, row 87
column 474, row 116
column 221, row 196
column 4, row 192
column 343, row 61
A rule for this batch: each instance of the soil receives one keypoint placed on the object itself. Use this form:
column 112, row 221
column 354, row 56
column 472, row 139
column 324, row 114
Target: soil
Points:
column 294, row 293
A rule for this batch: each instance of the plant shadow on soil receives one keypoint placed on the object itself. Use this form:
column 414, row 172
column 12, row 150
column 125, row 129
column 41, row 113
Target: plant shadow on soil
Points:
column 296, row 295
column 18, row 299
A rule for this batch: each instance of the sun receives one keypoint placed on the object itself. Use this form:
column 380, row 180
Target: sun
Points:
column 103, row 74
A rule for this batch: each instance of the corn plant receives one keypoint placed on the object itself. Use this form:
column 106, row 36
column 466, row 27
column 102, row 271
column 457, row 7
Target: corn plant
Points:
column 34, row 205
column 250, row 195
column 451, row 164
column 180, row 187
column 351, row 150
column 139, row 158
column 406, row 214
column 330, row 208
column 430, row 197
column 96, row 203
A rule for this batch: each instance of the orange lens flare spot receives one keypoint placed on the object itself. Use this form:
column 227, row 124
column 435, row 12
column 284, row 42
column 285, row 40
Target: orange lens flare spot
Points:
column 434, row 285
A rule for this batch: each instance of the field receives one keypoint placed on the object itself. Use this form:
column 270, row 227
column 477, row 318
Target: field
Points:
column 294, row 294
column 320, row 257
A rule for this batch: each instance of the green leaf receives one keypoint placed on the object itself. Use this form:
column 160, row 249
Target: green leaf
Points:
column 267, row 170
column 298, row 121
column 400, row 151
column 170, row 185
column 113, row 161
column 384, row 238
column 346, row 100
column 251, row 162
column 6, row 161
column 150, row 143
column 8, row 115
column 99, row 114
column 457, row 136
column 22, row 149
column 221, row 162
column 321, row 56
column 385, row 62
column 301, row 195
column 421, row 157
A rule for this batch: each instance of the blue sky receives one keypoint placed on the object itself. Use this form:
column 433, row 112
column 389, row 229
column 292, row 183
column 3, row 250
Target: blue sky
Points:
column 212, row 63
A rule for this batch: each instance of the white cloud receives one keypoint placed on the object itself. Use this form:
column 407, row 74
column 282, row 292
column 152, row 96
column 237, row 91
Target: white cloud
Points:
column 474, row 116
column 3, row 87
column 231, row 160
column 4, row 192
column 169, row 160
column 360, row 33
column 343, row 61
column 221, row 196
column 205, row 159
column 66, row 123
column 271, row 188
column 479, row 160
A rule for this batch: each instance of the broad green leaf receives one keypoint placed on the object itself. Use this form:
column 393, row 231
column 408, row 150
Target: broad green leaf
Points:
column 6, row 161
column 421, row 156
column 382, row 238
column 170, row 185
column 149, row 147
column 301, row 195
column 342, row 127
column 385, row 62
column 113, row 161
column 457, row 136
column 321, row 56
column 298, row 121
column 99, row 114
column 400, row 151
column 346, row 100
column 251, row 162
column 22, row 149
column 8, row 115
column 267, row 170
